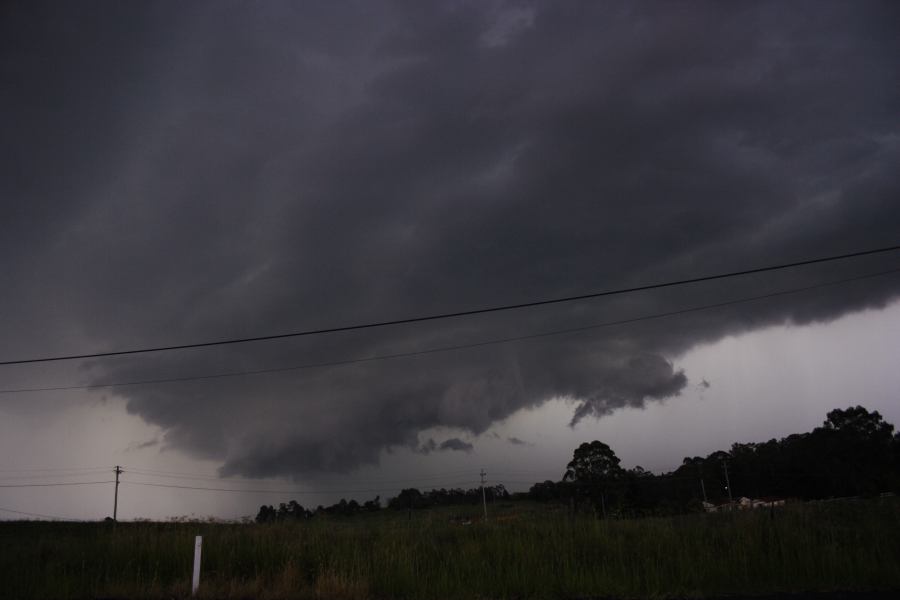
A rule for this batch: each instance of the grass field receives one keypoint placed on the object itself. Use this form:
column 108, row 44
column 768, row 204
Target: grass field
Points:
column 525, row 551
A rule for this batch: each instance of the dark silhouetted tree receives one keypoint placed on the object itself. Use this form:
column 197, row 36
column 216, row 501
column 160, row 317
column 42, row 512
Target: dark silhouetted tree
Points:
column 593, row 472
column 593, row 462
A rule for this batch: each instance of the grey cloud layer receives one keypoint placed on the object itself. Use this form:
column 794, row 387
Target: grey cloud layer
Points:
column 181, row 174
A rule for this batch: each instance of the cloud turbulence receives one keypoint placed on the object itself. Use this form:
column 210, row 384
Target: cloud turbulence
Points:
column 185, row 172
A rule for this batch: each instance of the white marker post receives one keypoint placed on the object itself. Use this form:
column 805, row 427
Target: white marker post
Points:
column 198, row 547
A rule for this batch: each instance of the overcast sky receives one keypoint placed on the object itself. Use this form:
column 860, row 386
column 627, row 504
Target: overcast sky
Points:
column 177, row 172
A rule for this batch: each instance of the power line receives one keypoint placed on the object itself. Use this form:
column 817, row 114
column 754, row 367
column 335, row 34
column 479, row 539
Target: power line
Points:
column 246, row 480
column 31, row 514
column 545, row 334
column 211, row 476
column 293, row 492
column 198, row 477
column 52, row 476
column 201, row 477
column 463, row 313
column 55, row 469
column 29, row 485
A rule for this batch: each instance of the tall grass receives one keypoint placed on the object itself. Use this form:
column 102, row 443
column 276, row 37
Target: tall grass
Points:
column 520, row 554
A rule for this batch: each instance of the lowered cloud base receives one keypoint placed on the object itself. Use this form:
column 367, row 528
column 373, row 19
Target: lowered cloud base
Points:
column 234, row 169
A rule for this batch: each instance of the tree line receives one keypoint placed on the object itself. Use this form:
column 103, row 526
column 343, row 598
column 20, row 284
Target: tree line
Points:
column 854, row 453
column 294, row 511
column 407, row 499
column 411, row 498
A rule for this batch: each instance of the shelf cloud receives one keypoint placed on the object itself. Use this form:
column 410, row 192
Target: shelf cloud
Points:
column 213, row 170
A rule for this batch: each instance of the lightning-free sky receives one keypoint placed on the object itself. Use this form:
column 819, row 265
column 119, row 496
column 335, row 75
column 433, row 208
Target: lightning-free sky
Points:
column 177, row 172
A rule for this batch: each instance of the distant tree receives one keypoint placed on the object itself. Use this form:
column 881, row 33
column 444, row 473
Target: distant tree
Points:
column 854, row 446
column 290, row 511
column 296, row 511
column 859, row 423
column 406, row 499
column 638, row 492
column 342, row 508
column 496, row 492
column 266, row 514
column 593, row 462
column 593, row 472
column 546, row 491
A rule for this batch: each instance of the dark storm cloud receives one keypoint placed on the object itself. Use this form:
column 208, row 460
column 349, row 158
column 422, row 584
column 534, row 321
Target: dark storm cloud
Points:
column 517, row 442
column 454, row 444
column 189, row 172
column 457, row 445
column 427, row 447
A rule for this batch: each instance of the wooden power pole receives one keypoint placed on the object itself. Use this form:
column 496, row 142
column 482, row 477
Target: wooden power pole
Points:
column 118, row 471
column 483, row 497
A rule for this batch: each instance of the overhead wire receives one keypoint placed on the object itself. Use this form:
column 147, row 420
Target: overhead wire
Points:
column 490, row 342
column 33, row 514
column 455, row 314
column 52, row 476
column 30, row 485
column 164, row 475
column 55, row 469
column 297, row 492
column 195, row 473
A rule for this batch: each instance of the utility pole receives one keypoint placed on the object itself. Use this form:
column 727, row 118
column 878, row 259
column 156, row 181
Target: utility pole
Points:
column 118, row 471
column 727, row 482
column 483, row 497
column 703, row 489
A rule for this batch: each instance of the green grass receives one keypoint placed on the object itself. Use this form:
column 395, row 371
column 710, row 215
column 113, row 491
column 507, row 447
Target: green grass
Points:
column 525, row 552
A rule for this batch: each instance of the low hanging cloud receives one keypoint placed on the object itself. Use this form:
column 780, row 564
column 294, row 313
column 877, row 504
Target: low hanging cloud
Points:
column 639, row 379
column 457, row 445
column 135, row 446
column 228, row 170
